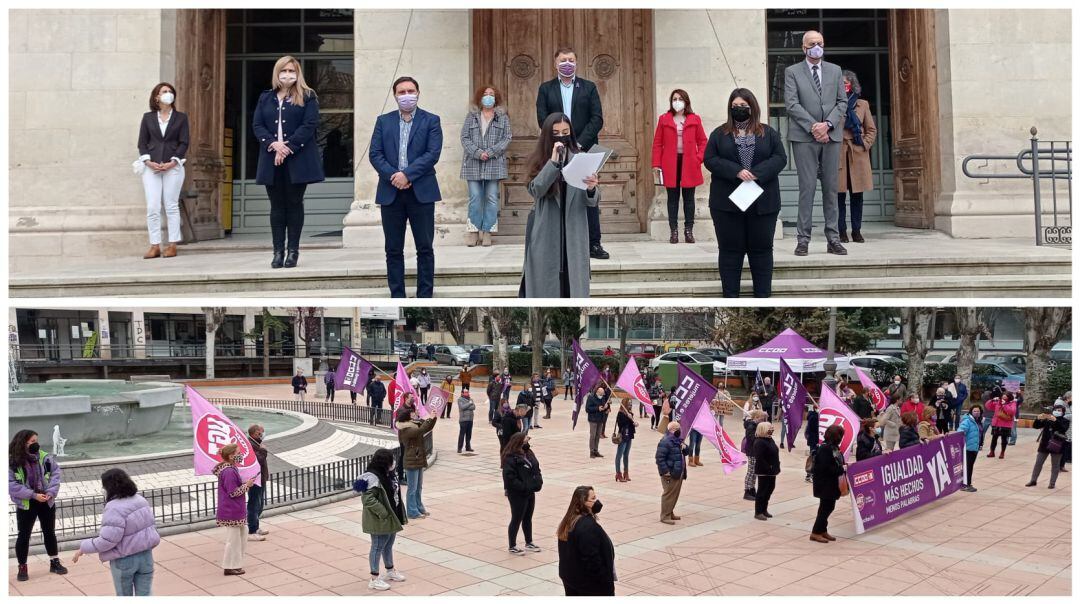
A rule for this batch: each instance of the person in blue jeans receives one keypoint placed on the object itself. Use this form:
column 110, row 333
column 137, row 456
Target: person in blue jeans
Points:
column 1016, row 418
column 405, row 147
column 695, row 449
column 257, row 492
column 411, row 434
column 625, row 427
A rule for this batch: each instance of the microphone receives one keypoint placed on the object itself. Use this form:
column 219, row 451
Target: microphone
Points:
column 562, row 156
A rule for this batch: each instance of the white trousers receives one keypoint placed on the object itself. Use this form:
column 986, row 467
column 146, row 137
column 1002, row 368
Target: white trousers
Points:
column 235, row 547
column 163, row 187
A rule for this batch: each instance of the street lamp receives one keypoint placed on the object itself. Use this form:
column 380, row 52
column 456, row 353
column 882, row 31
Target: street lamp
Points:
column 323, row 365
column 830, row 359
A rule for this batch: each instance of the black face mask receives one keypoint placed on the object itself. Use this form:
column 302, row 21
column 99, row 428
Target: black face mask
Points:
column 525, row 447
column 740, row 113
column 677, row 433
column 564, row 139
column 33, row 449
column 597, row 506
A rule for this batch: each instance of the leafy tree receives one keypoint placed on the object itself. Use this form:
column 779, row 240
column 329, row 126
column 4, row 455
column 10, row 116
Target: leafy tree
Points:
column 215, row 316
column 740, row 329
column 565, row 323
column 1043, row 328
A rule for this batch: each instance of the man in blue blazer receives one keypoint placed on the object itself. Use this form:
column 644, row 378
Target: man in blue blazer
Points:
column 405, row 147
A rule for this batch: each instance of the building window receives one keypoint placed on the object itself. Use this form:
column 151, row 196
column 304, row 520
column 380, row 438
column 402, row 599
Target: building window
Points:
column 57, row 335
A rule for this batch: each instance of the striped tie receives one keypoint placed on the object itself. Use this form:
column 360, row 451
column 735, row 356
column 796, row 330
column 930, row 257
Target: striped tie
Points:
column 817, row 79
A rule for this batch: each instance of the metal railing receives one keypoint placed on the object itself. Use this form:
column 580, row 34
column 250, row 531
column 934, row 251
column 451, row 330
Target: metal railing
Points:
column 335, row 412
column 1045, row 160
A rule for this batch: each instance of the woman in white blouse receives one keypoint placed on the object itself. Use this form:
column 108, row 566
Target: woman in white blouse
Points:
column 163, row 142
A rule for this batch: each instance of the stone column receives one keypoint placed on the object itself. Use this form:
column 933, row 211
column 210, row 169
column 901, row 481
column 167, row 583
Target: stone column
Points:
column 140, row 333
column 436, row 53
column 104, row 336
column 707, row 53
column 79, row 84
column 982, row 54
column 249, row 326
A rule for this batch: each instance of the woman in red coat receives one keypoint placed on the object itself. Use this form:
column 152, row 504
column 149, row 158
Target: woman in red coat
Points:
column 677, row 152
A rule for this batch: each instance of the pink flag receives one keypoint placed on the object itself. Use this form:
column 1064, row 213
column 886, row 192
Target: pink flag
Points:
column 730, row 455
column 876, row 395
column 436, row 400
column 630, row 381
column 213, row 430
column 836, row 412
column 399, row 387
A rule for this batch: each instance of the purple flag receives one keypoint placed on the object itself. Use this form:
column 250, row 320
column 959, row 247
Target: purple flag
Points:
column 691, row 392
column 588, row 375
column 353, row 371
column 793, row 397
column 891, row 485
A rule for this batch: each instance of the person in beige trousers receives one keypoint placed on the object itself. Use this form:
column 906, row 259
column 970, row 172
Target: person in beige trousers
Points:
column 671, row 463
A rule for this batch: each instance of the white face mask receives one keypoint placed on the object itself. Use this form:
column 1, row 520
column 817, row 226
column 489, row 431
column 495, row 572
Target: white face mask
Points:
column 287, row 79
column 678, row 105
column 167, row 98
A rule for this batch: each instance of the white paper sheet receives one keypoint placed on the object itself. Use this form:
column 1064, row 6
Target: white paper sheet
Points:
column 581, row 166
column 746, row 194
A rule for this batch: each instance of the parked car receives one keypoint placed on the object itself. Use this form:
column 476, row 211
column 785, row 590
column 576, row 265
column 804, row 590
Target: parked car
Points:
column 641, row 351
column 719, row 367
column 451, row 355
column 717, row 354
column 1060, row 354
column 936, row 357
column 868, row 363
column 1016, row 358
column 401, row 349
column 988, row 373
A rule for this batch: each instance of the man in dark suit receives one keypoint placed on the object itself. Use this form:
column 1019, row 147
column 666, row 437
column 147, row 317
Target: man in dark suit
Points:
column 816, row 105
column 405, row 147
column 580, row 101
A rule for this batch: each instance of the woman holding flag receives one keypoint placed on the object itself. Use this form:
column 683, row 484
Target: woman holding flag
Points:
column 625, row 426
column 828, row 468
column 232, row 509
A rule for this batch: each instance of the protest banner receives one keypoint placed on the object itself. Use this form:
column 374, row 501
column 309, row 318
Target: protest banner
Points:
column 888, row 486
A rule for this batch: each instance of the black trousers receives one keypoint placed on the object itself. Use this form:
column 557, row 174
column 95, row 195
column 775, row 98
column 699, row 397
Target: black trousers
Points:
column 464, row 435
column 597, row 589
column 765, row 487
column 522, row 506
column 404, row 211
column 43, row 514
column 1003, row 434
column 673, row 200
column 825, row 508
column 286, row 210
column 330, row 392
column 376, row 411
column 970, row 457
column 745, row 235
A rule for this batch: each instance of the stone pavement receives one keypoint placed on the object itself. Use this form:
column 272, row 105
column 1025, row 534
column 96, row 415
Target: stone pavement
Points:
column 1003, row 540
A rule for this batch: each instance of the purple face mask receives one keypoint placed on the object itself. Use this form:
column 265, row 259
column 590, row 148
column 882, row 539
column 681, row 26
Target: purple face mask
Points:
column 567, row 69
column 407, row 102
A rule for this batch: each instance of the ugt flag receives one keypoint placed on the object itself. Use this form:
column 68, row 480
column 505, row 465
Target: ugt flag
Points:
column 730, row 455
column 691, row 393
column 793, row 397
column 630, row 380
column 876, row 395
column 353, row 371
column 213, row 430
column 436, row 400
column 836, row 412
column 399, row 387
column 588, row 375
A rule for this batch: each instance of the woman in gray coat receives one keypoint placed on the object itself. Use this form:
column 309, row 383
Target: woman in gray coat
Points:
column 485, row 135
column 557, row 232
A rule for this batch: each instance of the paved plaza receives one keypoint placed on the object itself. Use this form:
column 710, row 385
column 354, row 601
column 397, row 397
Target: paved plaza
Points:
column 1003, row 540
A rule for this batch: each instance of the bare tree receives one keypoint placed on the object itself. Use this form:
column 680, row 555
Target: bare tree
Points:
column 538, row 330
column 625, row 316
column 565, row 323
column 308, row 323
column 1042, row 329
column 501, row 319
column 915, row 331
column 455, row 320
column 970, row 325
column 215, row 316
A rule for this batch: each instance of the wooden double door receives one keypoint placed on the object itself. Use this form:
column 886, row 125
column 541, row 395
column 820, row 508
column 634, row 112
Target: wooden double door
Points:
column 514, row 50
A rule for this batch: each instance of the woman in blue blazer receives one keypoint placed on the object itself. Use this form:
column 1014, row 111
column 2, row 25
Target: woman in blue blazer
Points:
column 285, row 123
column 742, row 149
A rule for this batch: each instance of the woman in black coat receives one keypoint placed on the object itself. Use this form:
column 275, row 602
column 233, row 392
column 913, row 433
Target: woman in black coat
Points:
column 828, row 468
column 867, row 443
column 586, row 554
column 766, row 466
column 743, row 149
column 286, row 122
column 521, row 481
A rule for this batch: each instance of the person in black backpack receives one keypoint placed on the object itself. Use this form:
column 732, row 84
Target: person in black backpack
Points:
column 521, row 481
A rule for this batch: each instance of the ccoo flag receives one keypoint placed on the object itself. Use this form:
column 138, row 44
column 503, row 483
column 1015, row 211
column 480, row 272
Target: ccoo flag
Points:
column 353, row 371
column 213, row 430
column 730, row 455
column 876, row 395
column 588, row 375
column 691, row 393
column 793, row 397
column 630, row 380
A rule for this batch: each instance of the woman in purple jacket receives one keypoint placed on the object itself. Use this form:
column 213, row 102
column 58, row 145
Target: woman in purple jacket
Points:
column 33, row 483
column 232, row 510
column 127, row 536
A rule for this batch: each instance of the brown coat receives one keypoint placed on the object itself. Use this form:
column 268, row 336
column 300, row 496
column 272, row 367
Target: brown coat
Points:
column 856, row 157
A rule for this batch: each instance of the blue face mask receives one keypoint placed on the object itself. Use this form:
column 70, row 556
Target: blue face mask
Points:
column 488, row 100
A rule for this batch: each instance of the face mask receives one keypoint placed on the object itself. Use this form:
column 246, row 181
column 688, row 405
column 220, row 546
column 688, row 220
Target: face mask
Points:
column 407, row 102
column 34, row 448
column 287, row 79
column 896, row 381
column 957, row 380
column 1059, row 413
column 879, row 431
column 678, row 105
column 815, row 52
column 677, row 433
column 168, row 98
column 740, row 114
column 597, row 506
column 756, row 399
column 976, row 413
column 847, row 88
column 567, row 69
column 526, row 447
column 487, row 100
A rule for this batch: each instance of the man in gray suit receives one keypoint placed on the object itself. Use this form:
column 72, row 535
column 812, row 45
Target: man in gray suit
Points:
column 816, row 106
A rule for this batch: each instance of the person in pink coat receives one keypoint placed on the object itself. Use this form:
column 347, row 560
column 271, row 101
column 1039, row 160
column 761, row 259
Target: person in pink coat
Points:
column 1003, row 410
column 677, row 153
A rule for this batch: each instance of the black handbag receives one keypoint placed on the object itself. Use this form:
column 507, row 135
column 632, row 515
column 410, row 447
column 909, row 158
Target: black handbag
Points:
column 1056, row 444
